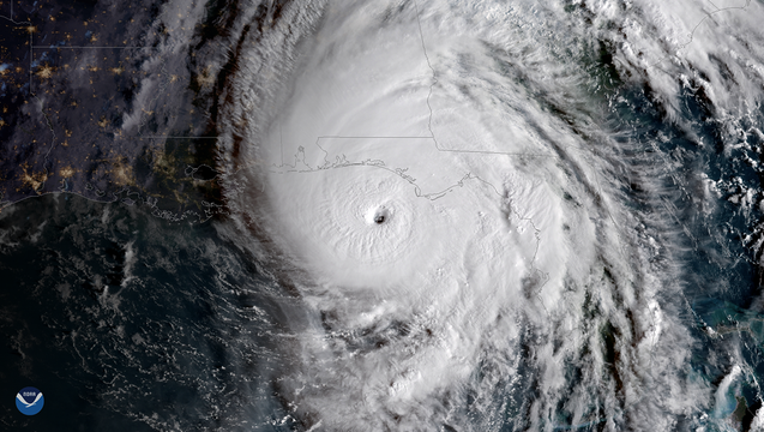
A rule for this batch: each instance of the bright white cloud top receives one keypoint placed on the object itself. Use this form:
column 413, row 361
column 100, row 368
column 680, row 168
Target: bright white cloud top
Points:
column 457, row 241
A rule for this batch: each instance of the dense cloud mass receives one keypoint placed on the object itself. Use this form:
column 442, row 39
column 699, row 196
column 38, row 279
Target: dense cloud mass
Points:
column 420, row 215
column 514, row 275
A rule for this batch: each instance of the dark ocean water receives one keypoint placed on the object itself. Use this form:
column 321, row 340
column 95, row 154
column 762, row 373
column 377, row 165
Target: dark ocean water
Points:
column 716, row 242
column 127, row 322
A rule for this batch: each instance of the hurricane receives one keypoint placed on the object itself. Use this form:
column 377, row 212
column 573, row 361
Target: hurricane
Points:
column 383, row 215
column 490, row 213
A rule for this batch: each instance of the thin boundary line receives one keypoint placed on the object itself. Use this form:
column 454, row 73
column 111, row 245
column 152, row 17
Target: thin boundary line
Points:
column 170, row 136
column 691, row 35
column 32, row 93
column 372, row 136
column 14, row 21
column 339, row 164
column 488, row 152
column 88, row 47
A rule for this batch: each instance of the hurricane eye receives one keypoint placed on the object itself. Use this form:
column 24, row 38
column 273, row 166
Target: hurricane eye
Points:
column 380, row 215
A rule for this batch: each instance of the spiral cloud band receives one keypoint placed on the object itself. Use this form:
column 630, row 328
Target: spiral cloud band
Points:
column 444, row 197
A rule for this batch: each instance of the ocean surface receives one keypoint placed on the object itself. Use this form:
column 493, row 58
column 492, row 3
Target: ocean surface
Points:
column 446, row 216
column 130, row 323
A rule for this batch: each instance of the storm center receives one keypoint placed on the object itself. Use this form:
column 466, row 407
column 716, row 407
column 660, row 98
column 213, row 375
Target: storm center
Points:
column 378, row 216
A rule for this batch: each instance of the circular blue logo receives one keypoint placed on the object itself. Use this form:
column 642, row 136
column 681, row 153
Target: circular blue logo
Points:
column 29, row 401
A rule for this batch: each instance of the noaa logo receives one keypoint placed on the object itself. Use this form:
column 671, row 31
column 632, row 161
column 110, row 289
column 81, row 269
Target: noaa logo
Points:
column 29, row 401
